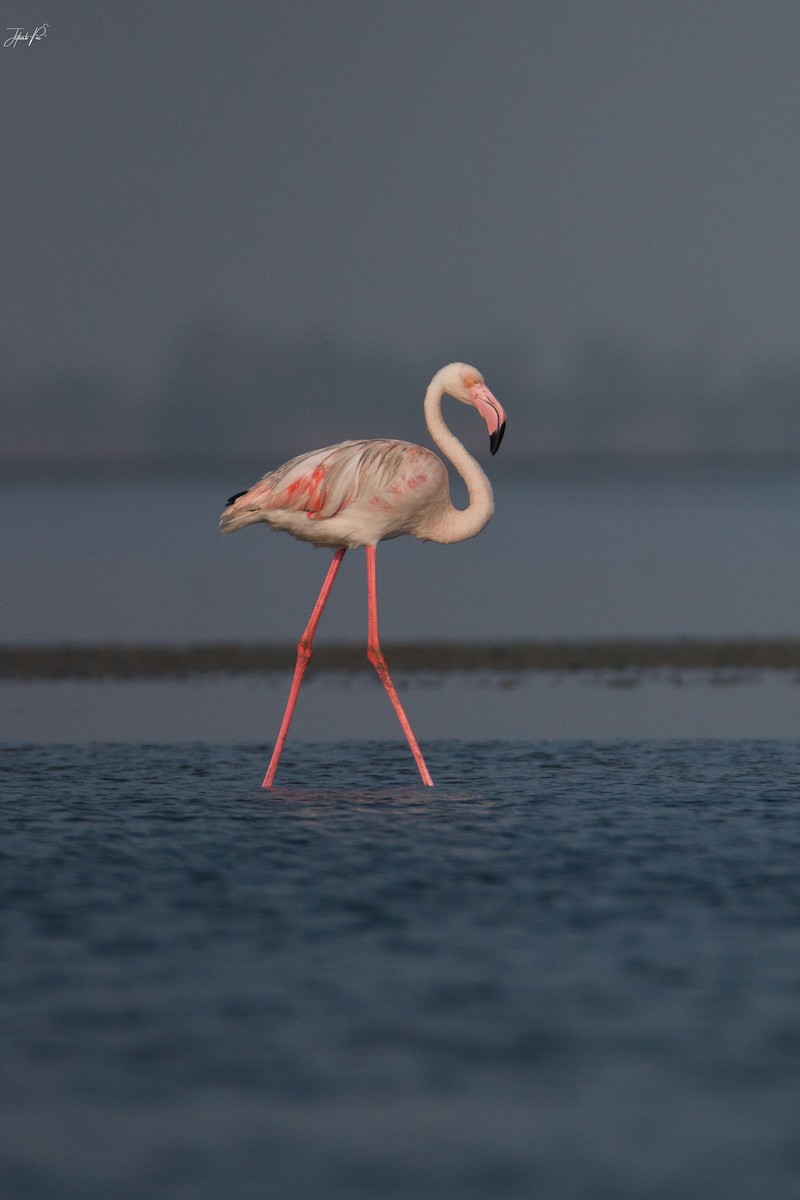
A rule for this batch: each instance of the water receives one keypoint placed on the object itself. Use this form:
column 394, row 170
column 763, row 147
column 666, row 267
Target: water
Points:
column 578, row 551
column 525, row 705
column 571, row 971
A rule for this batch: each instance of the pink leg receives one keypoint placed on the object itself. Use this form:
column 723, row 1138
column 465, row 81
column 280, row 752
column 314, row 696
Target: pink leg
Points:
column 303, row 655
column 375, row 656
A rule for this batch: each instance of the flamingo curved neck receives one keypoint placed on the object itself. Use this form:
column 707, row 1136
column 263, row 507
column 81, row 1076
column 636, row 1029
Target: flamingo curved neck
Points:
column 456, row 524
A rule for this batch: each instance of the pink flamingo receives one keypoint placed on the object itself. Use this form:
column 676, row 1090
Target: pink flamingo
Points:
column 360, row 493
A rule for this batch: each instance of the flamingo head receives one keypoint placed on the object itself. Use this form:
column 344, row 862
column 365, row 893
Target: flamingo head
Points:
column 466, row 384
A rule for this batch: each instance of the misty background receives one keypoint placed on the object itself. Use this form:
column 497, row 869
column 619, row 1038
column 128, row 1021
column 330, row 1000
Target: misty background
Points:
column 242, row 232
column 253, row 229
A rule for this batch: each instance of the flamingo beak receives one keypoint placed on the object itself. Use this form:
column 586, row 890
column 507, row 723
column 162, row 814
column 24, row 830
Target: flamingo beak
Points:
column 496, row 438
column 492, row 412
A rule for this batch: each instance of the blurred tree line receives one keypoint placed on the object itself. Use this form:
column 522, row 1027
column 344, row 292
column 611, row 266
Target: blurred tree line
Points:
column 228, row 392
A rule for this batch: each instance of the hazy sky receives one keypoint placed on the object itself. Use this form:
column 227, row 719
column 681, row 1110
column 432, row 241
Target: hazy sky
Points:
column 420, row 175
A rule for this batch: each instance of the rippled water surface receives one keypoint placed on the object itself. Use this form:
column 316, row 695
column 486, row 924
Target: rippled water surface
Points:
column 570, row 970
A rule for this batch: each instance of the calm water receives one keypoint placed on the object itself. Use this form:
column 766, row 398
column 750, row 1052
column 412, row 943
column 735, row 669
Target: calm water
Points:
column 525, row 706
column 572, row 970
column 580, row 551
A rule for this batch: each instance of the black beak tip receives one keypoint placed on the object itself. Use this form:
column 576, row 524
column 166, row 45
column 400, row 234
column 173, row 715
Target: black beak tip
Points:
column 496, row 438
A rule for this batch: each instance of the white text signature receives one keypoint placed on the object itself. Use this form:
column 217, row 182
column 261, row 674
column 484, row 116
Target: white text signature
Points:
column 18, row 34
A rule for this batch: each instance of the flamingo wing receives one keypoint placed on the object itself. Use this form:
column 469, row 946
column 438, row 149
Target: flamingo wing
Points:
column 320, row 483
column 357, row 490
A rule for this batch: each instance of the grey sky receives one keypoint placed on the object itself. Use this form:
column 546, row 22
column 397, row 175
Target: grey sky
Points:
column 417, row 175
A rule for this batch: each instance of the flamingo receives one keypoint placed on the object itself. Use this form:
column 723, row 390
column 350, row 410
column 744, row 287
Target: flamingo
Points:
column 359, row 493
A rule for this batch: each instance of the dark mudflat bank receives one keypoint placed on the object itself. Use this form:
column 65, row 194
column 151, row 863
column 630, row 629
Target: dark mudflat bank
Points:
column 175, row 662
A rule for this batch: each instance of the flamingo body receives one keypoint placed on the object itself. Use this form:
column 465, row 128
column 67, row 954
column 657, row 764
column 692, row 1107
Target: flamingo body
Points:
column 359, row 493
column 352, row 494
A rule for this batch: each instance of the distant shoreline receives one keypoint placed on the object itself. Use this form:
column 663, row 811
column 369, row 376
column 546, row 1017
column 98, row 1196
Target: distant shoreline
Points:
column 614, row 656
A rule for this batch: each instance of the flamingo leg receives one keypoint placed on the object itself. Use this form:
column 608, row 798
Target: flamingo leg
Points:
column 375, row 656
column 304, row 647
